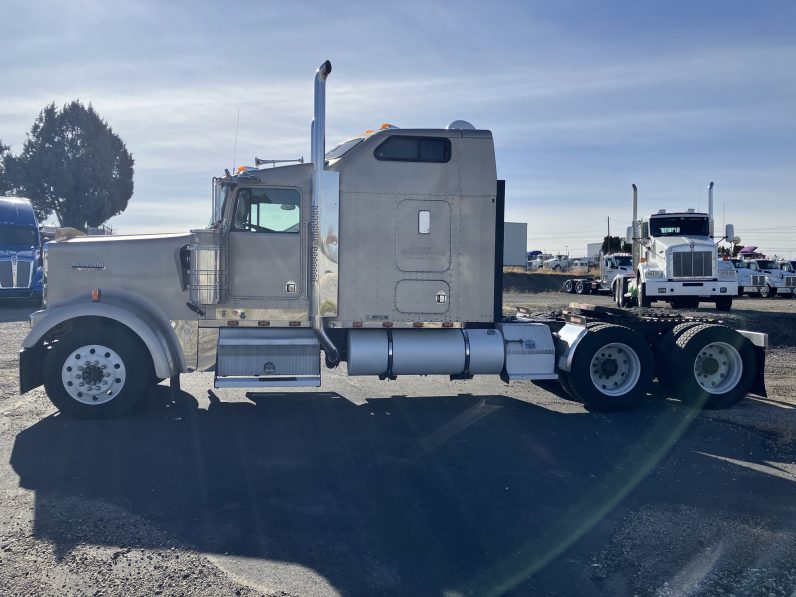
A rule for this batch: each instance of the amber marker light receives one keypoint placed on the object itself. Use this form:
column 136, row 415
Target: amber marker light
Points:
column 96, row 295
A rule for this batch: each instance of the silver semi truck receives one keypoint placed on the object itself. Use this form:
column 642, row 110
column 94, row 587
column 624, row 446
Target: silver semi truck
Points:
column 383, row 254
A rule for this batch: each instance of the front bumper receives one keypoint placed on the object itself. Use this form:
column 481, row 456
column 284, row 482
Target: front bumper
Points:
column 665, row 289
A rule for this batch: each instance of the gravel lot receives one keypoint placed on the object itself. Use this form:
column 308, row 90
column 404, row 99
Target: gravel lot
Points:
column 415, row 487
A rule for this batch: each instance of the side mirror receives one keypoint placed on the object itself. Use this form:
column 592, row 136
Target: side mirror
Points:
column 629, row 234
column 729, row 232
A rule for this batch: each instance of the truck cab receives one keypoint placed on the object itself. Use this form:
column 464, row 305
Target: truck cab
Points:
column 614, row 265
column 20, row 251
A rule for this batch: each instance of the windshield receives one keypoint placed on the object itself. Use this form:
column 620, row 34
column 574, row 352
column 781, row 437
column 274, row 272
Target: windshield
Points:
column 623, row 261
column 679, row 226
column 788, row 267
column 766, row 264
column 339, row 150
column 18, row 235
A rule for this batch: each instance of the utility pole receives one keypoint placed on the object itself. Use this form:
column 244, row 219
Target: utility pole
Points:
column 608, row 248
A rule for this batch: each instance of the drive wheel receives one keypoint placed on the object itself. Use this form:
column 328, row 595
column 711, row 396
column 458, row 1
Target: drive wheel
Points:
column 724, row 303
column 581, row 287
column 712, row 366
column 97, row 373
column 611, row 369
column 568, row 286
column 664, row 352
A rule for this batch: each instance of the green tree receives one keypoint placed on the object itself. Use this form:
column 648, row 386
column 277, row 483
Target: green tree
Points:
column 5, row 183
column 615, row 244
column 73, row 165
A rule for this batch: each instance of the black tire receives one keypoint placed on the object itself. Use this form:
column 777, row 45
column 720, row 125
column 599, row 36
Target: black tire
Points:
column 768, row 291
column 556, row 268
column 643, row 300
column 664, row 351
column 128, row 352
column 606, row 337
column 563, row 379
column 689, row 347
column 740, row 291
column 568, row 286
column 581, row 287
column 724, row 303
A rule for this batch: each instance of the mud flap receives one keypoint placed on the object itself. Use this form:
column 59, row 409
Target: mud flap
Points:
column 31, row 368
column 759, row 385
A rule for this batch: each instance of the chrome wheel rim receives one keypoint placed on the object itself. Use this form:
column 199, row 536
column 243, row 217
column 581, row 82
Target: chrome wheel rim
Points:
column 615, row 369
column 718, row 368
column 93, row 374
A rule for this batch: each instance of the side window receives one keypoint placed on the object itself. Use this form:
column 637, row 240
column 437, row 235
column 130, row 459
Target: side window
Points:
column 260, row 209
column 402, row 148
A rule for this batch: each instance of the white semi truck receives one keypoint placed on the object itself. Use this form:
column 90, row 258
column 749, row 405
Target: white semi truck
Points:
column 750, row 280
column 612, row 266
column 676, row 260
column 383, row 255
column 776, row 279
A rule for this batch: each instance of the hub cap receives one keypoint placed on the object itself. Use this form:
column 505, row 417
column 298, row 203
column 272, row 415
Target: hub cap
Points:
column 93, row 374
column 718, row 368
column 615, row 369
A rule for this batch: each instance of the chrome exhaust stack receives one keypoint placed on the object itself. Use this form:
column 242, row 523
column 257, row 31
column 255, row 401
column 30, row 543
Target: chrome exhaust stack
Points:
column 710, row 207
column 323, row 226
column 635, row 247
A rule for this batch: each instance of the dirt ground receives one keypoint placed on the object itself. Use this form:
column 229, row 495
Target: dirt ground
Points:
column 421, row 486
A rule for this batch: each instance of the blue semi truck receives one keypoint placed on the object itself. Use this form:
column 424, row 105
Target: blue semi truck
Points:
column 21, row 272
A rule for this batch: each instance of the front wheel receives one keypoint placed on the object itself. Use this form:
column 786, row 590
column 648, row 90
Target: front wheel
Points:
column 97, row 373
column 724, row 303
column 611, row 369
column 768, row 291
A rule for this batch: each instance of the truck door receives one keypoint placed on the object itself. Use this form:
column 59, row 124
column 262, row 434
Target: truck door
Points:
column 266, row 240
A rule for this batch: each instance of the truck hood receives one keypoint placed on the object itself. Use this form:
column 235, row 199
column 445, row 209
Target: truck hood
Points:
column 151, row 267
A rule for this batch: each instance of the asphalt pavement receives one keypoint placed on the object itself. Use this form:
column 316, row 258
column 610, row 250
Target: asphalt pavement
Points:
column 421, row 486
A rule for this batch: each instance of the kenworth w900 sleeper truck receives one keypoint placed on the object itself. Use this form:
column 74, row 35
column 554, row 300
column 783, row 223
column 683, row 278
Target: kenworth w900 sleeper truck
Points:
column 383, row 254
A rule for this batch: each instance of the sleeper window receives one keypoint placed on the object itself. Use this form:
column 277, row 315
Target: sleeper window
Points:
column 268, row 210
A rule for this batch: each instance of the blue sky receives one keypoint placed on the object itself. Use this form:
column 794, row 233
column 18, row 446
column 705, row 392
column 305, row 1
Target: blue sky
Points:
column 583, row 98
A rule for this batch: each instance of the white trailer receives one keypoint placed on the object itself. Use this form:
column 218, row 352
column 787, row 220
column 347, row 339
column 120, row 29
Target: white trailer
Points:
column 383, row 253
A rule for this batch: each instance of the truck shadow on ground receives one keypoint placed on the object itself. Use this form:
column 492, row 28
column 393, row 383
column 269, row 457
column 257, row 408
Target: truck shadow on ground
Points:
column 400, row 495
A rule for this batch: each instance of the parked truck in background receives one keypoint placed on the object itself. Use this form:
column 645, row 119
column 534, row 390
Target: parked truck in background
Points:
column 20, row 251
column 612, row 266
column 383, row 254
column 777, row 280
column 678, row 260
column 750, row 280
